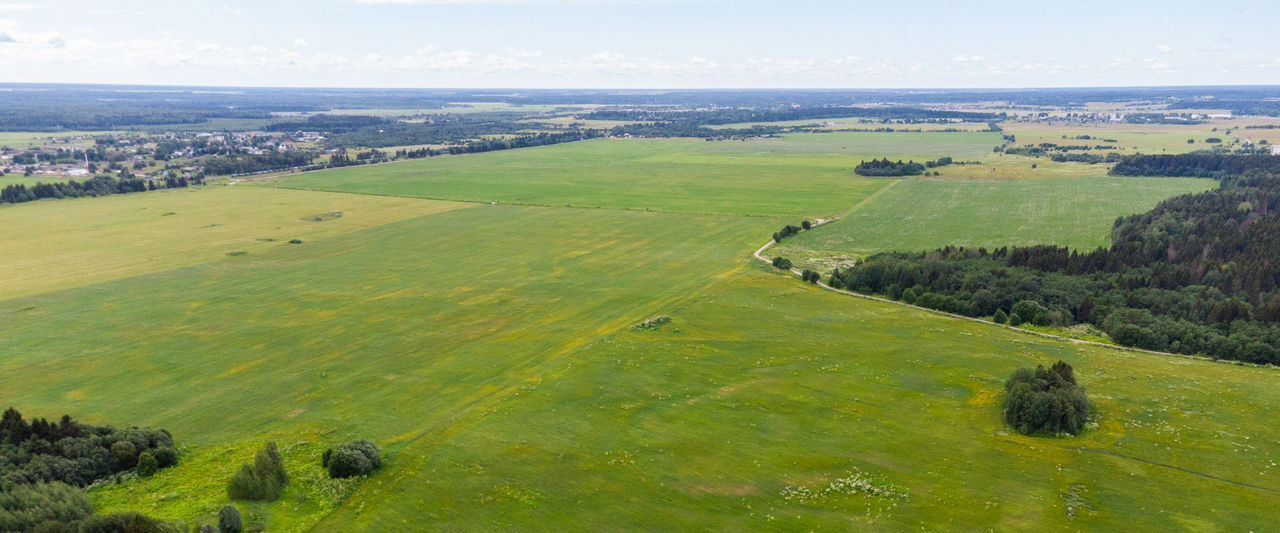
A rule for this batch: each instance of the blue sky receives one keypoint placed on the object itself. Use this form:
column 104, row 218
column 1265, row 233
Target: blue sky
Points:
column 640, row 44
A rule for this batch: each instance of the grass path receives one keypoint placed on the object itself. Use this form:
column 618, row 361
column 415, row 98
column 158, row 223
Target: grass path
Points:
column 865, row 201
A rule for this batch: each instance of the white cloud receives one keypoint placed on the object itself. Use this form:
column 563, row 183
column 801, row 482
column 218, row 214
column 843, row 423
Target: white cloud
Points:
column 300, row 43
column 1164, row 49
column 17, row 8
column 10, row 36
column 510, row 2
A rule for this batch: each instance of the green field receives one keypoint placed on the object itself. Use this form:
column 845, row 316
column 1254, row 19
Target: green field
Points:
column 923, row 214
column 22, row 140
column 795, row 176
column 490, row 349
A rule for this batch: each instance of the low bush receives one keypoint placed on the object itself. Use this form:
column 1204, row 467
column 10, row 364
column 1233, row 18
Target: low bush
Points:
column 229, row 520
column 1000, row 317
column 125, row 523
column 263, row 480
column 355, row 458
column 147, row 464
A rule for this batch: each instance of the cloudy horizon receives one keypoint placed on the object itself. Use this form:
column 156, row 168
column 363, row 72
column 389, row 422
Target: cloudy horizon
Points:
column 611, row 44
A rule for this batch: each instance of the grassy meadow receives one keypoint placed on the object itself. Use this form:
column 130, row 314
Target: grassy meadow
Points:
column 922, row 214
column 1131, row 138
column 491, row 349
column 19, row 179
column 22, row 140
column 69, row 243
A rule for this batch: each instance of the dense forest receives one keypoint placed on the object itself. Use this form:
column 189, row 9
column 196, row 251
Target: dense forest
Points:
column 1197, row 164
column 1196, row 275
column 54, row 107
column 1264, row 107
column 715, row 117
column 438, row 129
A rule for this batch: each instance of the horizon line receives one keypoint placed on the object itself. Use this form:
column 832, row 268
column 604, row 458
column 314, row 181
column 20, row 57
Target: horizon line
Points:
column 666, row 89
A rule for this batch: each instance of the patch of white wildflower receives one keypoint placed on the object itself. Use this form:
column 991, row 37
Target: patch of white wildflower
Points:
column 852, row 484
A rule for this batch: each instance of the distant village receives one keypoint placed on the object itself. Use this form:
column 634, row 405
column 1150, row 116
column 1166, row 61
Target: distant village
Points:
column 143, row 155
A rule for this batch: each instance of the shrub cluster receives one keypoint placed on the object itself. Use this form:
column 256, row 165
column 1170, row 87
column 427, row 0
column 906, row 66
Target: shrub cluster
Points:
column 810, row 276
column 263, row 480
column 355, row 458
column 1045, row 401
column 782, row 263
column 24, row 507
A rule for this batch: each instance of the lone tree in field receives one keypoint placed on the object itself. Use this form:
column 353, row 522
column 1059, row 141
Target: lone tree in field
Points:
column 356, row 458
column 1045, row 402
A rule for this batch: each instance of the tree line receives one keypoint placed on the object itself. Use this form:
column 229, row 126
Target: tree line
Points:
column 97, row 186
column 885, row 168
column 254, row 163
